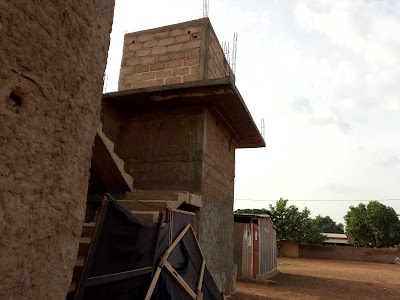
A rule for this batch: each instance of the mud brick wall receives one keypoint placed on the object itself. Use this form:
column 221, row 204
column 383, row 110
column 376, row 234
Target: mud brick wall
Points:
column 52, row 60
column 178, row 53
column 377, row 255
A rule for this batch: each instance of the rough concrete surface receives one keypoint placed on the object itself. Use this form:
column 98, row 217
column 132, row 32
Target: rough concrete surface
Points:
column 52, row 59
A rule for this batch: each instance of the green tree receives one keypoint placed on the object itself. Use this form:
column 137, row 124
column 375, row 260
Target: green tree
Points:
column 294, row 225
column 253, row 211
column 326, row 224
column 372, row 225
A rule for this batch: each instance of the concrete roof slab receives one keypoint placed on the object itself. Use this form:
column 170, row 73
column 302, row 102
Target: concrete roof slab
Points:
column 219, row 95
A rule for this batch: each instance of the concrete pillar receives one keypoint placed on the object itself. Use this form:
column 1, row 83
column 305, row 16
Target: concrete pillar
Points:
column 52, row 60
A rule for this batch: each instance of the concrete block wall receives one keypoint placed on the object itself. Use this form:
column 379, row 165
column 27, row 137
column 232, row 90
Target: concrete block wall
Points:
column 52, row 60
column 217, row 66
column 187, row 148
column 178, row 53
column 215, row 219
column 162, row 149
column 112, row 120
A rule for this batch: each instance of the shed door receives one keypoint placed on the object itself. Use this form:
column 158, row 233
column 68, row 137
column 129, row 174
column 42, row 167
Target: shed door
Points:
column 256, row 251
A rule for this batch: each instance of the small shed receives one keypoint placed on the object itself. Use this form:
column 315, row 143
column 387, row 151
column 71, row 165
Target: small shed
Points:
column 254, row 246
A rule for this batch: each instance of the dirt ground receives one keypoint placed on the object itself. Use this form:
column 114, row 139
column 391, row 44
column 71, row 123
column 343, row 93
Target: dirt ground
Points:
column 326, row 279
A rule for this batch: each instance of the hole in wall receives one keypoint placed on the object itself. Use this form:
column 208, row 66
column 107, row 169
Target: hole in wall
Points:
column 133, row 42
column 14, row 102
column 188, row 31
column 195, row 36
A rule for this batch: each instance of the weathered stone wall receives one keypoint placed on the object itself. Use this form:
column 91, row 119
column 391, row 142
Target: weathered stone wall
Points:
column 215, row 219
column 52, row 59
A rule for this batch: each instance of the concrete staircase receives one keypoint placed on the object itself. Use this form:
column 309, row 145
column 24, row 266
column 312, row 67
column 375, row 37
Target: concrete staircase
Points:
column 144, row 204
column 108, row 165
column 147, row 204
column 84, row 243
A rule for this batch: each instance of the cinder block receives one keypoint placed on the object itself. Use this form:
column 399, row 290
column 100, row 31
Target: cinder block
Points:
column 145, row 37
column 174, row 64
column 148, row 76
column 182, row 54
column 182, row 38
column 195, row 52
column 191, row 61
column 165, row 41
column 128, row 54
column 173, row 80
column 159, row 50
column 194, row 69
column 148, row 59
column 126, row 70
column 192, row 44
column 129, row 39
column 132, row 78
column 181, row 71
column 157, row 66
column 140, row 84
column 134, row 46
column 161, row 34
column 155, row 82
column 192, row 29
column 190, row 78
column 132, row 61
column 164, row 74
column 166, row 57
column 175, row 47
column 143, row 52
column 176, row 32
column 141, row 69
column 149, row 44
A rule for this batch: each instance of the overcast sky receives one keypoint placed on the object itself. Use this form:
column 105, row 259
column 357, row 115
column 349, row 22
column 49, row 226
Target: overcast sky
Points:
column 325, row 76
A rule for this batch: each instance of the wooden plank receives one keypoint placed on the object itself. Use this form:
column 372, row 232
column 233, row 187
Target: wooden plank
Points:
column 160, row 225
column 153, row 283
column 184, row 212
column 200, row 283
column 170, row 226
column 197, row 243
column 117, row 276
column 180, row 280
column 175, row 243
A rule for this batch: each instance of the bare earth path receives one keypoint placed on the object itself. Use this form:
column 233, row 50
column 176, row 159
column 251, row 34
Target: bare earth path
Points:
column 326, row 279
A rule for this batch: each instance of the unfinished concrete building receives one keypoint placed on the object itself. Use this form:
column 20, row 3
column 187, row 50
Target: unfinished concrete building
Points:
column 175, row 123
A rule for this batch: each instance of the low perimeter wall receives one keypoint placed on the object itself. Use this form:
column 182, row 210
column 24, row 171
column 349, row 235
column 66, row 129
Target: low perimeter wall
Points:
column 377, row 255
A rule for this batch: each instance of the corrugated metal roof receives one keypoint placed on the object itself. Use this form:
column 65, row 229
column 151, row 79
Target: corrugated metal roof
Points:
column 256, row 216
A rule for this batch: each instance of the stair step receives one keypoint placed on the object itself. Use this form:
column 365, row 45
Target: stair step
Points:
column 84, row 243
column 78, row 268
column 146, row 216
column 148, row 205
column 157, row 195
column 72, row 287
column 88, row 229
